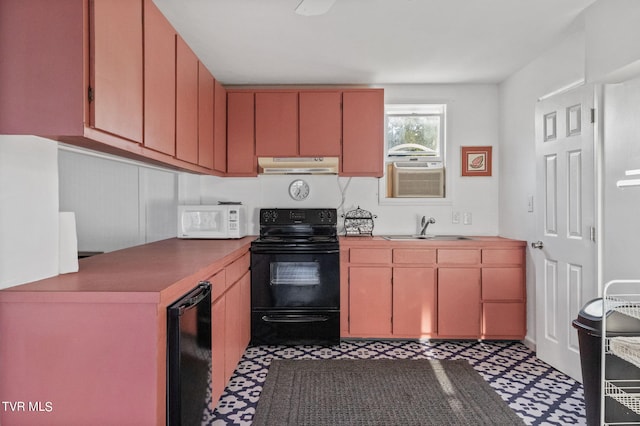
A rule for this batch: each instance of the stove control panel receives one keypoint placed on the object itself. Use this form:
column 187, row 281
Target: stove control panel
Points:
column 297, row 216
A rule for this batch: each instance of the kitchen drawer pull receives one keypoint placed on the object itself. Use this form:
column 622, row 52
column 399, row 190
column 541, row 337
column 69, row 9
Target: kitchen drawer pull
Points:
column 294, row 318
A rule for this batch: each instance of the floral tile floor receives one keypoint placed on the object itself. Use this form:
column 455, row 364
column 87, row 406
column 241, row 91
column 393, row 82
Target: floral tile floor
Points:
column 538, row 393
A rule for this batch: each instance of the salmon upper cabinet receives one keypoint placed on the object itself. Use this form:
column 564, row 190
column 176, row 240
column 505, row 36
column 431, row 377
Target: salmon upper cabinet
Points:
column 320, row 124
column 362, row 133
column 344, row 123
column 241, row 159
column 160, row 81
column 276, row 124
column 220, row 127
column 100, row 74
column 305, row 123
column 45, row 90
column 205, row 116
column 116, row 79
column 186, row 102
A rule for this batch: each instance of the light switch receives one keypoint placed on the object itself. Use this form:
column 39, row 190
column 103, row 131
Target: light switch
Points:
column 455, row 217
column 466, row 218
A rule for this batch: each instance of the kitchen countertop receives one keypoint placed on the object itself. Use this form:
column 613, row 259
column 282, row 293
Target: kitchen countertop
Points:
column 157, row 272
column 162, row 271
column 473, row 242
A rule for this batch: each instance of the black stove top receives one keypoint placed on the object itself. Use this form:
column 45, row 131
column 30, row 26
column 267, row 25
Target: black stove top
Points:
column 297, row 226
column 300, row 239
column 286, row 217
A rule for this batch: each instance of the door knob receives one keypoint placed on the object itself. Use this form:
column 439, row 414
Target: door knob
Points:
column 537, row 244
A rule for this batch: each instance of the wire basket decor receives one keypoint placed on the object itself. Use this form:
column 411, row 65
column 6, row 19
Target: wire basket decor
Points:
column 358, row 222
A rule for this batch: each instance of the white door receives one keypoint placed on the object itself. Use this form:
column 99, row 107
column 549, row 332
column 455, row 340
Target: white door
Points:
column 565, row 261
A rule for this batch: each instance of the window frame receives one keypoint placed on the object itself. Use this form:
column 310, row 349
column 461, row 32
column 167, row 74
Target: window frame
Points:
column 426, row 109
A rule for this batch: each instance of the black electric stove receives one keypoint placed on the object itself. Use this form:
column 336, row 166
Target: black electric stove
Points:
column 295, row 278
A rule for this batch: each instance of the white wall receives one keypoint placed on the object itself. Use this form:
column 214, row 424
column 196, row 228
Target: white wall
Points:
column 472, row 119
column 621, row 245
column 28, row 209
column 602, row 48
column 117, row 203
column 561, row 65
column 613, row 51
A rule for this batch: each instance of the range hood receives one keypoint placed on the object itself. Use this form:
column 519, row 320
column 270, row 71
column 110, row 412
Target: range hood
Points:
column 298, row 165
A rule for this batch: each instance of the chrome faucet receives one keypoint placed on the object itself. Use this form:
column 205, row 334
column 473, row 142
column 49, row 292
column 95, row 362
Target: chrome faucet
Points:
column 424, row 223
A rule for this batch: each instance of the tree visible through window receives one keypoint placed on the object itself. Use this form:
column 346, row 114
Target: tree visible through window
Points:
column 414, row 130
column 415, row 151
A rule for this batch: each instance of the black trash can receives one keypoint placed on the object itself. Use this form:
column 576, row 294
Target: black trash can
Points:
column 589, row 326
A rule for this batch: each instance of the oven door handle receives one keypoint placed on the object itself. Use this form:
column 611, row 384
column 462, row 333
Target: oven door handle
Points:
column 293, row 251
column 293, row 318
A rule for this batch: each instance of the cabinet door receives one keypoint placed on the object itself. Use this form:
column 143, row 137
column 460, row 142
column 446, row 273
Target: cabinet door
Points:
column 42, row 89
column 459, row 302
column 117, row 68
column 159, row 81
column 277, row 124
column 362, row 133
column 245, row 312
column 503, row 320
column 220, row 127
column 414, row 302
column 320, row 123
column 186, row 102
column 205, row 117
column 218, row 374
column 241, row 157
column 232, row 331
column 370, row 302
column 503, row 284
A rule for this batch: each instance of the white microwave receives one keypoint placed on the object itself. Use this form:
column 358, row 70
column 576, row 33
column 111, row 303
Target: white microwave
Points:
column 212, row 221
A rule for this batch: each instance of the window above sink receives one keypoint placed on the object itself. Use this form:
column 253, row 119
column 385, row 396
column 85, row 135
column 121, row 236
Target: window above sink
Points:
column 415, row 147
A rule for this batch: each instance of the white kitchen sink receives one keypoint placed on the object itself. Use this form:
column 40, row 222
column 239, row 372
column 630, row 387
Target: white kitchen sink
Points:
column 425, row 237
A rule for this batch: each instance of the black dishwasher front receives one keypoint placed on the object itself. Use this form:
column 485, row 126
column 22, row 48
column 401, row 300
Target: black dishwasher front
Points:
column 188, row 356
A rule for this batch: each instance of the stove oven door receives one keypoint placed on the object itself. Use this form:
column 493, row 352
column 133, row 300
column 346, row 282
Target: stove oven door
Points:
column 295, row 279
column 295, row 297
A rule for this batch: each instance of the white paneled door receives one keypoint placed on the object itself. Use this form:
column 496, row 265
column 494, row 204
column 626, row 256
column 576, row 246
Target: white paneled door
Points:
column 565, row 253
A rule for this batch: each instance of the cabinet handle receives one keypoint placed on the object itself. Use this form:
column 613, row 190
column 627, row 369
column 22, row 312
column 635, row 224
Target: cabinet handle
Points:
column 537, row 245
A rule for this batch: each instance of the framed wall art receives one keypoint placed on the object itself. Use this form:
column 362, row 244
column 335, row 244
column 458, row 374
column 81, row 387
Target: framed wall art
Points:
column 476, row 161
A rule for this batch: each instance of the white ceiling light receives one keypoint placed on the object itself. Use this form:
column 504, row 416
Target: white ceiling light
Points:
column 314, row 7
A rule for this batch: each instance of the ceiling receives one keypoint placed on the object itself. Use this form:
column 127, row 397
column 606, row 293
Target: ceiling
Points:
column 370, row 42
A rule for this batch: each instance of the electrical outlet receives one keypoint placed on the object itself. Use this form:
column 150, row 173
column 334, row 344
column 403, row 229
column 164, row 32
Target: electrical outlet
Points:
column 466, row 218
column 455, row 217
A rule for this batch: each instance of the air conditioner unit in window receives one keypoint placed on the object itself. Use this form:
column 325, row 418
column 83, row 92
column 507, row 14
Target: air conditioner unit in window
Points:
column 418, row 179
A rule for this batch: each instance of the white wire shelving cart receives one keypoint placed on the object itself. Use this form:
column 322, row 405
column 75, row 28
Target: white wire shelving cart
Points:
column 623, row 297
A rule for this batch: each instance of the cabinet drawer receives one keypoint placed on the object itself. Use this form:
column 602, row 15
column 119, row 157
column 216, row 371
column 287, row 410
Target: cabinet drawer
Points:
column 218, row 284
column 458, row 256
column 503, row 320
column 422, row 256
column 502, row 284
column 378, row 255
column 514, row 256
column 237, row 269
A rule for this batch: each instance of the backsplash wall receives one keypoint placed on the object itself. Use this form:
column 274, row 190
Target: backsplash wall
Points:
column 472, row 119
